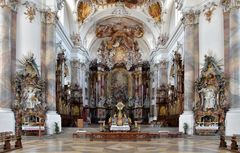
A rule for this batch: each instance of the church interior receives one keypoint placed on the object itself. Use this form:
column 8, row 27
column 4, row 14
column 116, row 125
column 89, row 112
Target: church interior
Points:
column 82, row 75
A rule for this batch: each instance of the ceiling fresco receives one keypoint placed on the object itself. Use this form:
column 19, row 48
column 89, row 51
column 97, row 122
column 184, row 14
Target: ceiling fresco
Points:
column 83, row 11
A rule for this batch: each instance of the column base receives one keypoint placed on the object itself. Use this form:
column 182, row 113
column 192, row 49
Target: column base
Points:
column 7, row 120
column 151, row 119
column 187, row 117
column 53, row 117
column 232, row 122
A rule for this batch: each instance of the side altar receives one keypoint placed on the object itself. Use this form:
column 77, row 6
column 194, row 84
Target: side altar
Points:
column 212, row 104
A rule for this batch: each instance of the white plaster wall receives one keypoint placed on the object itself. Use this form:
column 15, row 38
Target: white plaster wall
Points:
column 211, row 36
column 191, row 3
column 28, row 35
column 172, row 21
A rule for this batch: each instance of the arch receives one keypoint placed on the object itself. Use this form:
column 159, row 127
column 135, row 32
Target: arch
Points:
column 140, row 17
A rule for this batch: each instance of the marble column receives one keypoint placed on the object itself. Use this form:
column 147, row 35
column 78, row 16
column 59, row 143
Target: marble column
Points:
column 163, row 73
column 136, row 85
column 140, row 89
column 191, row 62
column 7, row 66
column 75, row 71
column 154, row 79
column 232, row 117
column 84, row 84
column 49, row 68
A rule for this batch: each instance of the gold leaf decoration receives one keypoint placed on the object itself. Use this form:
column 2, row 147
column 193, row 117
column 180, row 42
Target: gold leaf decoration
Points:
column 155, row 11
column 30, row 13
column 83, row 11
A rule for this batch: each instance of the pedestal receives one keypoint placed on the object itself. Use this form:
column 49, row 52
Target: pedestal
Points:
column 232, row 122
column 187, row 117
column 80, row 123
column 53, row 117
column 7, row 120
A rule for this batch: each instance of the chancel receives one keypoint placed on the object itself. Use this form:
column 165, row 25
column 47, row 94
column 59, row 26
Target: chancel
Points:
column 161, row 71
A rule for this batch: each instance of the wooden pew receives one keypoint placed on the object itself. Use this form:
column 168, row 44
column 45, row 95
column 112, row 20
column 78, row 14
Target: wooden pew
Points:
column 233, row 146
column 6, row 138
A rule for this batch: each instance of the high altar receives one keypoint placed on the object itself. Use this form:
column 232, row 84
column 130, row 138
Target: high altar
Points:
column 119, row 74
column 119, row 122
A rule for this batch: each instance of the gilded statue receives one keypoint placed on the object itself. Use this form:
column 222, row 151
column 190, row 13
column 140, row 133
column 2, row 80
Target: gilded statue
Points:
column 119, row 118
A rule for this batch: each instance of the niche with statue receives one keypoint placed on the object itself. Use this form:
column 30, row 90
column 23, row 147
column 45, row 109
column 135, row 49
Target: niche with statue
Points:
column 211, row 104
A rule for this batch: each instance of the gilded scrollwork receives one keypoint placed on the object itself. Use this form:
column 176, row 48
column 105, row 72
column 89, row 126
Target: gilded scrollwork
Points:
column 84, row 9
column 30, row 11
column 9, row 4
column 49, row 16
column 230, row 4
column 208, row 10
column 155, row 10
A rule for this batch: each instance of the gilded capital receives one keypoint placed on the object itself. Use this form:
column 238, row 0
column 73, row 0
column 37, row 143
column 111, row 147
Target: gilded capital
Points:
column 163, row 64
column 191, row 17
column 31, row 10
column 49, row 16
column 11, row 4
column 76, row 39
column 75, row 63
column 228, row 5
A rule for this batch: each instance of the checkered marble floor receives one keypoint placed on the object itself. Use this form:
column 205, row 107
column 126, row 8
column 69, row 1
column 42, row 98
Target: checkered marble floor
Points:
column 64, row 143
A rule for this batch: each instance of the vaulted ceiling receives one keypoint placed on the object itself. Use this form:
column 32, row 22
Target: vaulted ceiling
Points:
column 150, row 14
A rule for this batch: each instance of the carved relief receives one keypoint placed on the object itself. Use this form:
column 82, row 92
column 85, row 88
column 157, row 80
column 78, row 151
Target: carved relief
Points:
column 190, row 17
column 211, row 107
column 30, row 11
column 9, row 4
column 208, row 11
column 230, row 4
column 76, row 39
column 49, row 16
column 155, row 10
column 162, row 39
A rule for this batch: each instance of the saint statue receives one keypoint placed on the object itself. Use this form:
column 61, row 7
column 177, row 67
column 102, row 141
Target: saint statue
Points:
column 208, row 98
column 30, row 98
